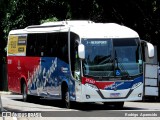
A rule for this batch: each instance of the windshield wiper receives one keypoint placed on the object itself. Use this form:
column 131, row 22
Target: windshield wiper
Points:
column 121, row 68
column 126, row 75
column 107, row 59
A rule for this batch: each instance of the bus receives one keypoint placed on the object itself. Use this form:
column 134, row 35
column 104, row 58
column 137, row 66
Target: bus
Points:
column 79, row 61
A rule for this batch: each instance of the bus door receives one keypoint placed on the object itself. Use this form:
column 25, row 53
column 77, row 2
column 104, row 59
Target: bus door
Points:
column 150, row 79
column 78, row 88
column 151, row 85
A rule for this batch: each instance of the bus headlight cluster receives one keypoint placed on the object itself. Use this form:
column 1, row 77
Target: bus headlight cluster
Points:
column 91, row 86
column 136, row 85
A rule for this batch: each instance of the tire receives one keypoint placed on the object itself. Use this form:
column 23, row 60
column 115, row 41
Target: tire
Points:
column 119, row 105
column 66, row 98
column 106, row 103
column 24, row 92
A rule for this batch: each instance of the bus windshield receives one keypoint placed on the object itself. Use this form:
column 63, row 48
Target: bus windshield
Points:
column 112, row 57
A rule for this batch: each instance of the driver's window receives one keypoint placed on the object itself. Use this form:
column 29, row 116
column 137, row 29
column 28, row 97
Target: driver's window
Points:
column 75, row 61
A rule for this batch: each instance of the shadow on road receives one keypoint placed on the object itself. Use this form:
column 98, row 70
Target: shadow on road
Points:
column 76, row 106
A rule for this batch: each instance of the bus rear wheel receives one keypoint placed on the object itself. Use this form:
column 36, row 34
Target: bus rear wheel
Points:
column 24, row 92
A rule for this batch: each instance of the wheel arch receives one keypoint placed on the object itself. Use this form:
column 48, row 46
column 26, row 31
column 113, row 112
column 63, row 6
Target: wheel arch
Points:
column 64, row 86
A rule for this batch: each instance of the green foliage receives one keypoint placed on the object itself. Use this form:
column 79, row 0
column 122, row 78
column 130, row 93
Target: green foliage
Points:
column 49, row 20
column 140, row 15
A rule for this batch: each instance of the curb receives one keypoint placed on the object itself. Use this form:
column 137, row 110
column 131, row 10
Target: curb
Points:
column 5, row 93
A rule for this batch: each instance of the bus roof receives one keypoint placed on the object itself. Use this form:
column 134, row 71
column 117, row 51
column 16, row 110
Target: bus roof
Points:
column 85, row 29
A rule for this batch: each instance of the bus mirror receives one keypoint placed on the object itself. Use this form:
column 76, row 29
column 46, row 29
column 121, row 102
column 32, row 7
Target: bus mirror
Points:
column 150, row 49
column 81, row 51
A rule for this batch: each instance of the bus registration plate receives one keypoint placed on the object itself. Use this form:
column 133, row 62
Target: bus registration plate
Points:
column 115, row 95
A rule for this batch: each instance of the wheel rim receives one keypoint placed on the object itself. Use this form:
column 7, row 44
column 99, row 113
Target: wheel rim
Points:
column 67, row 102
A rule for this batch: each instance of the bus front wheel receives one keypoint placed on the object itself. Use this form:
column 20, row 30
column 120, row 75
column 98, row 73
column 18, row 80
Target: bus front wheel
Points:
column 65, row 98
column 118, row 105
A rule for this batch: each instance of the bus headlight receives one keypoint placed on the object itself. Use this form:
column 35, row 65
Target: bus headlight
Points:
column 91, row 86
column 136, row 85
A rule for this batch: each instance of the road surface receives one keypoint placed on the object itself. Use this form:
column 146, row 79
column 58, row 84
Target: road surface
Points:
column 36, row 108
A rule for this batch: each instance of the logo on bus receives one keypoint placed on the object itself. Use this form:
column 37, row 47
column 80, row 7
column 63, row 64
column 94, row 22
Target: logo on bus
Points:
column 90, row 81
column 114, row 86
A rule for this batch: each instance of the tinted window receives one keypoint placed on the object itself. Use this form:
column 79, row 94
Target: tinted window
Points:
column 52, row 44
column 48, row 45
column 124, row 42
column 62, row 51
column 31, row 45
column 41, row 44
column 75, row 63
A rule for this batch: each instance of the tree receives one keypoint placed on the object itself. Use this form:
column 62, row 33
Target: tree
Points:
column 140, row 15
column 3, row 6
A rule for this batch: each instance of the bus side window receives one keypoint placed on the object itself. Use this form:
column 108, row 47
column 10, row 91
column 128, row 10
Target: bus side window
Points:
column 32, row 50
column 143, row 52
column 31, row 44
column 52, row 44
column 42, row 49
column 41, row 44
column 75, row 62
column 63, row 46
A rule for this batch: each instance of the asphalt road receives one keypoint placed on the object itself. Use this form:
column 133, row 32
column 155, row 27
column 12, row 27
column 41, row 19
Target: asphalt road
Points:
column 37, row 107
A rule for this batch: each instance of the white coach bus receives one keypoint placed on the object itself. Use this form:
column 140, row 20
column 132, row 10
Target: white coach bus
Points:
column 79, row 61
